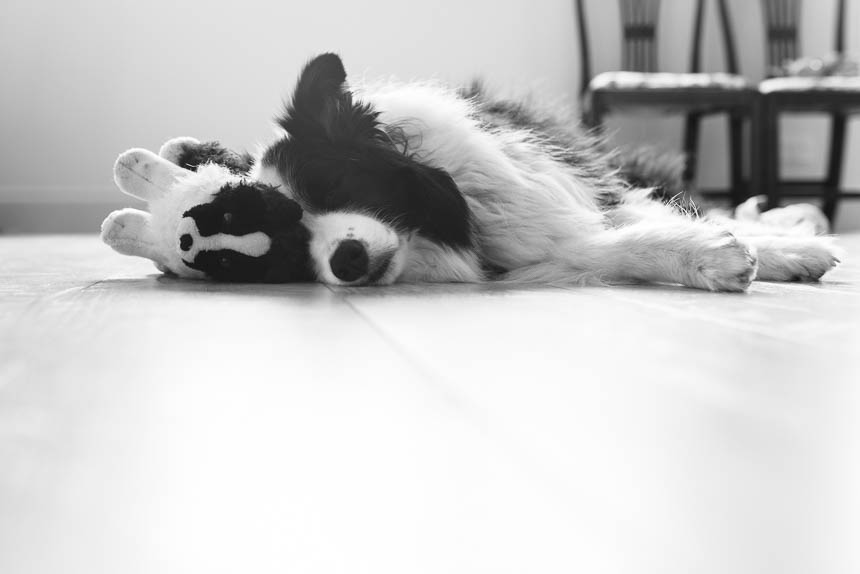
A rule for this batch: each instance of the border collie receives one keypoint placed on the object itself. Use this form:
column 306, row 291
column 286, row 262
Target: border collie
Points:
column 419, row 183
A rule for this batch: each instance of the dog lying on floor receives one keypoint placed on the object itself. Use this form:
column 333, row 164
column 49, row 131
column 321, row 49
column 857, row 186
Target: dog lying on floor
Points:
column 417, row 183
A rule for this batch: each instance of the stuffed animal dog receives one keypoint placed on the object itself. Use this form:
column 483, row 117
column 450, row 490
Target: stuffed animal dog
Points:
column 211, row 222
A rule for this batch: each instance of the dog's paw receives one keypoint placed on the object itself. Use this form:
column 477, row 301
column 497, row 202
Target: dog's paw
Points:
column 722, row 263
column 799, row 218
column 796, row 258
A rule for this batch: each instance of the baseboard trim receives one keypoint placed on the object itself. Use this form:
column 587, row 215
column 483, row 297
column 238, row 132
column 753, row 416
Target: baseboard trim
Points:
column 66, row 194
column 38, row 217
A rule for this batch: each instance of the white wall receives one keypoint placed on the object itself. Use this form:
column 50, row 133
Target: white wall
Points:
column 84, row 80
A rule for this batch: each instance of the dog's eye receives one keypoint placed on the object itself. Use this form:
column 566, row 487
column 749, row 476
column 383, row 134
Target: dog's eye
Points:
column 228, row 217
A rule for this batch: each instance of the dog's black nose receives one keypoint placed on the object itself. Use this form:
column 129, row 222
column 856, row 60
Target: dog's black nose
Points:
column 185, row 242
column 349, row 261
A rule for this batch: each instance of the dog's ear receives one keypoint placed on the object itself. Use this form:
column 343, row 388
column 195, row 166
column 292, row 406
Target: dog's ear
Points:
column 322, row 106
column 319, row 95
column 320, row 87
column 440, row 211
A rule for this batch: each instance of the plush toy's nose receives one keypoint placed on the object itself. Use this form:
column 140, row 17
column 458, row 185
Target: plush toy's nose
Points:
column 185, row 242
column 349, row 261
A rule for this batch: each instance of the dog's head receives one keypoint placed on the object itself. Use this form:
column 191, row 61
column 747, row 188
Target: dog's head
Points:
column 366, row 195
column 207, row 223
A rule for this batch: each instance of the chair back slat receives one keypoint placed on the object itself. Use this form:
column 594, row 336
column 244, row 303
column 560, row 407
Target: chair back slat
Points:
column 696, row 55
column 728, row 37
column 639, row 26
column 584, row 50
column 781, row 20
column 782, row 28
column 639, row 34
column 839, row 45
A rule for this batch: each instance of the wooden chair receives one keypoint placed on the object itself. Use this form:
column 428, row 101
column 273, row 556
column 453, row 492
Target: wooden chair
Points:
column 693, row 94
column 836, row 96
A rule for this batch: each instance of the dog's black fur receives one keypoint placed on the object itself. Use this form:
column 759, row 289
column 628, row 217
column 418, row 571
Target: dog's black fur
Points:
column 338, row 155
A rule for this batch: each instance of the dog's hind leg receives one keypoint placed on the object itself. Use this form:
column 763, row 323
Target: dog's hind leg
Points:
column 786, row 253
column 783, row 254
column 793, row 258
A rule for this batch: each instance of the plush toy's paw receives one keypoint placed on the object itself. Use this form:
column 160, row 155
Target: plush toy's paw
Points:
column 124, row 230
column 142, row 174
column 128, row 231
column 173, row 149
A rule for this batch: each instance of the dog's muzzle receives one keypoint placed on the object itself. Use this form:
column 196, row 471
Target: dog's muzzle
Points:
column 350, row 261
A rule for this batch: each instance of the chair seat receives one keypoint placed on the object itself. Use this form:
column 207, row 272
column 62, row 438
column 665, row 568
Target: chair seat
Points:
column 666, row 81
column 811, row 84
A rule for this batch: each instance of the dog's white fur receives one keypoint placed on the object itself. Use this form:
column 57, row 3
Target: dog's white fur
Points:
column 537, row 217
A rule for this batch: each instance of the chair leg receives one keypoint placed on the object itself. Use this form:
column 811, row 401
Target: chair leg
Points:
column 770, row 153
column 736, row 158
column 756, row 160
column 834, row 166
column 691, row 147
column 595, row 120
column 593, row 111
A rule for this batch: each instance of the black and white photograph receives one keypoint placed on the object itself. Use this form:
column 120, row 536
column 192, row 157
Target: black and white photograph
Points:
column 409, row 287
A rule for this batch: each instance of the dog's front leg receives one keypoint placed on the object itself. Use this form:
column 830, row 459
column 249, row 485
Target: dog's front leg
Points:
column 686, row 252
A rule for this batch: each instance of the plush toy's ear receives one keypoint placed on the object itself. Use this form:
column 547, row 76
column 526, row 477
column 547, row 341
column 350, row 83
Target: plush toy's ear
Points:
column 142, row 174
column 172, row 150
column 129, row 232
column 191, row 153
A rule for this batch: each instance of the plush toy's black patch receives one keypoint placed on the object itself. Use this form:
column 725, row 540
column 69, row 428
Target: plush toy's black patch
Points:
column 195, row 155
column 246, row 208
column 339, row 156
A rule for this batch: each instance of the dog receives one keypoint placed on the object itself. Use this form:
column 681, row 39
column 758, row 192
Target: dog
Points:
column 416, row 182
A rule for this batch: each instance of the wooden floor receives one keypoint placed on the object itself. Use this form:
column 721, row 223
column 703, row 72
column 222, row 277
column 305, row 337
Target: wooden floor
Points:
column 151, row 425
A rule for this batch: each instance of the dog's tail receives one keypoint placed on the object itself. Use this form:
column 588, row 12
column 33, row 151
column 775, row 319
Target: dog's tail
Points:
column 640, row 168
